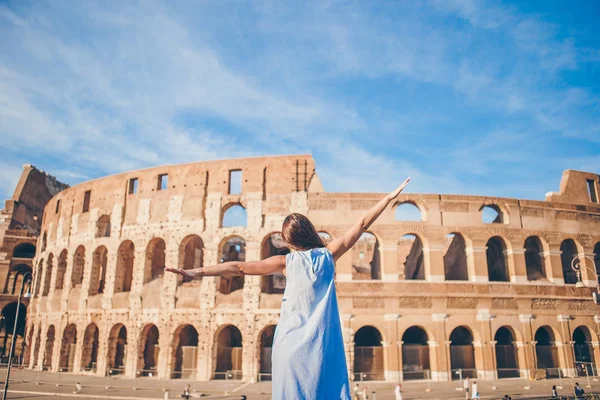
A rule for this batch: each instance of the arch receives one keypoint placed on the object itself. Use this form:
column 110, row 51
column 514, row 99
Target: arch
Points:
column 24, row 250
column 597, row 257
column 455, row 258
column 584, row 352
column 507, row 363
column 234, row 215
column 185, row 352
column 534, row 259
column 497, row 262
column 491, row 214
column 408, row 211
column 410, row 255
column 155, row 260
column 415, row 354
column 67, row 348
column 366, row 258
column 48, row 276
column 368, row 354
column 98, row 273
column 61, row 269
column 273, row 245
column 8, row 321
column 117, row 345
column 228, row 353
column 124, row 272
column 568, row 250
column 103, row 226
column 266, row 345
column 78, row 266
column 232, row 249
column 148, row 351
column 89, row 353
column 47, row 361
column 15, row 278
column 38, row 277
column 325, row 236
column 462, row 353
column 546, row 351
column 191, row 255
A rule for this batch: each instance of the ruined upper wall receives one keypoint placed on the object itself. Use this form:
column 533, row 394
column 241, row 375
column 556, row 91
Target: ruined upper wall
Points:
column 577, row 187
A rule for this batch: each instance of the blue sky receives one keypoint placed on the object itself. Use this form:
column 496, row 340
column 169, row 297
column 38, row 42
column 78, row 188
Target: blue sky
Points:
column 467, row 97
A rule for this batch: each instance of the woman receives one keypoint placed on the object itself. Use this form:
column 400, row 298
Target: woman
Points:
column 308, row 359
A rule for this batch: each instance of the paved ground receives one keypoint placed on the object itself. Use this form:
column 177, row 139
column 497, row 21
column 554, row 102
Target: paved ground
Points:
column 25, row 384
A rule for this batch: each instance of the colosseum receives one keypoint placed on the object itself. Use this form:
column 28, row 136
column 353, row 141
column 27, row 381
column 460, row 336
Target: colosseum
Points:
column 444, row 286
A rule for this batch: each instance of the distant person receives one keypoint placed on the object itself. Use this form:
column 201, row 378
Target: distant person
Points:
column 578, row 391
column 365, row 393
column 466, row 388
column 186, row 393
column 506, row 397
column 475, row 392
column 373, row 395
column 308, row 359
column 398, row 392
column 356, row 392
column 554, row 392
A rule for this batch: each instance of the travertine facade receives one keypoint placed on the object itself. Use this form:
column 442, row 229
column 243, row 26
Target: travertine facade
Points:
column 418, row 298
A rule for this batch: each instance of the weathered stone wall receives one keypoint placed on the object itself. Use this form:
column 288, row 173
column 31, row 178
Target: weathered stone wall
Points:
column 194, row 204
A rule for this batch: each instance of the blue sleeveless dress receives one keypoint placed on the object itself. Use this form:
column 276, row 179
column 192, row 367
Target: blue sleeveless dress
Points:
column 308, row 359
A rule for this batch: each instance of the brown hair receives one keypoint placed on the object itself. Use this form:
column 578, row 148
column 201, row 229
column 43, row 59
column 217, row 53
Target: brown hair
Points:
column 300, row 233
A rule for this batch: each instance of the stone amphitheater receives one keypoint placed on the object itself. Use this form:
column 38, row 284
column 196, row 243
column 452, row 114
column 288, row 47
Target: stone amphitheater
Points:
column 442, row 287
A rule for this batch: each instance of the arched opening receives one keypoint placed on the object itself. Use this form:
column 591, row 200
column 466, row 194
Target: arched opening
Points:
column 67, row 349
column 229, row 354
column 48, row 276
column 546, row 351
column 415, row 354
column 148, row 352
column 185, row 355
column 273, row 245
column 155, row 260
column 408, row 211
column 368, row 355
column 266, row 346
column 98, row 274
column 124, row 272
column 61, row 269
column 534, row 259
column 491, row 214
column 24, row 250
column 47, row 361
column 584, row 352
column 496, row 260
column 89, row 354
column 326, row 237
column 117, row 349
column 597, row 257
column 462, row 353
column 366, row 260
column 410, row 255
column 103, row 226
column 38, row 278
column 234, row 215
column 191, row 253
column 15, row 279
column 44, row 241
column 568, row 251
column 7, row 324
column 455, row 258
column 232, row 249
column 507, row 363
column 78, row 266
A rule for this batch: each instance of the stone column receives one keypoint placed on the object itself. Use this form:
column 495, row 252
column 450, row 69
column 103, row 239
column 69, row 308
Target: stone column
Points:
column 434, row 262
column 137, row 284
column 567, row 353
column 441, row 369
column 169, row 280
column 101, row 361
column 517, row 268
column 164, row 353
column 68, row 283
column 393, row 349
column 529, row 354
column 487, row 370
column 109, row 284
column 205, row 353
column 477, row 262
column 131, row 356
column 389, row 258
column 554, row 264
column 79, row 346
column 87, row 279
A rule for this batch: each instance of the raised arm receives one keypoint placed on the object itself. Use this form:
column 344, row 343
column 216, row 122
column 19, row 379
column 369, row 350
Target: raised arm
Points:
column 267, row 266
column 341, row 245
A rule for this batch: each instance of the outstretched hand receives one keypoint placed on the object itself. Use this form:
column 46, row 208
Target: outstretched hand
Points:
column 180, row 272
column 399, row 190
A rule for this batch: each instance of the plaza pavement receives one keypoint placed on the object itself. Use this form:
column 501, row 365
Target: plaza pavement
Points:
column 26, row 384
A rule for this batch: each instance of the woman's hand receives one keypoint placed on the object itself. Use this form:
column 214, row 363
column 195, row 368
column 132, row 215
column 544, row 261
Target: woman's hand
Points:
column 180, row 272
column 399, row 190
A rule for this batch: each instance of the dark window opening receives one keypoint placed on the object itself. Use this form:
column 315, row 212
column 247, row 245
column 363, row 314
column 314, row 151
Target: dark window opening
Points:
column 592, row 190
column 163, row 182
column 133, row 185
column 235, row 181
column 86, row 201
column 57, row 206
